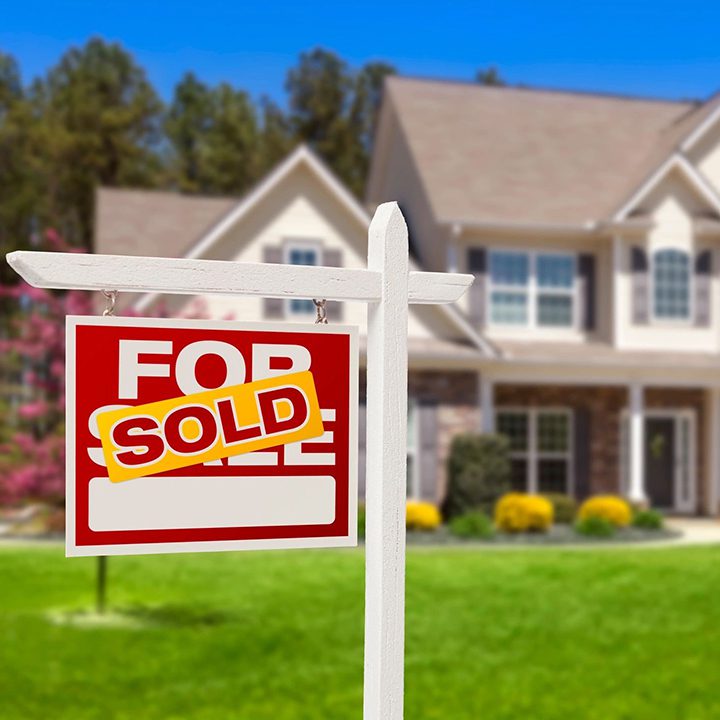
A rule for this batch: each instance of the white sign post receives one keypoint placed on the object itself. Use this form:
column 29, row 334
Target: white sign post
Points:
column 387, row 287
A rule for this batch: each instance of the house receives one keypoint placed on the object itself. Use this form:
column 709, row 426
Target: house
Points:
column 592, row 225
column 591, row 336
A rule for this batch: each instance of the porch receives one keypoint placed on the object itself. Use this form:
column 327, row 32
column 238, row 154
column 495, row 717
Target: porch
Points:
column 650, row 443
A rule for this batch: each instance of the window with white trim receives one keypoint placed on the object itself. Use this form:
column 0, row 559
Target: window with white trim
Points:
column 671, row 285
column 540, row 448
column 532, row 289
column 301, row 252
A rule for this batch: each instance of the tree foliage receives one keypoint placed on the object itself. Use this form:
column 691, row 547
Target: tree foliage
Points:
column 20, row 189
column 335, row 111
column 490, row 76
column 94, row 119
column 99, row 120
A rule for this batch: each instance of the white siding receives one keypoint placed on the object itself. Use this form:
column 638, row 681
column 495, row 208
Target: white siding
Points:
column 672, row 206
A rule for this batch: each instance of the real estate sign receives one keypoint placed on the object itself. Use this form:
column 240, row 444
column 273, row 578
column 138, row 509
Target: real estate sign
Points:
column 188, row 435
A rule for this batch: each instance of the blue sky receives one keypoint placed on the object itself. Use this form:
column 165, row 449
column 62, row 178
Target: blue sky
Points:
column 658, row 48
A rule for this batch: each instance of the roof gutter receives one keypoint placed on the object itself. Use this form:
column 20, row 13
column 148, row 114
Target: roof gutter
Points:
column 459, row 226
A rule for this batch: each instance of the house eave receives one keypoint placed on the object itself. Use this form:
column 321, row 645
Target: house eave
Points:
column 459, row 226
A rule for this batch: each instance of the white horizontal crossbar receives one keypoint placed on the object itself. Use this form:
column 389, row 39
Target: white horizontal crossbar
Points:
column 181, row 276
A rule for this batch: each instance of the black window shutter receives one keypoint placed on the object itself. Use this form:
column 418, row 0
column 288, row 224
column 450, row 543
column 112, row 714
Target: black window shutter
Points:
column 586, row 277
column 362, row 425
column 703, row 288
column 332, row 257
column 640, row 297
column 273, row 308
column 428, row 431
column 477, row 265
column 581, row 452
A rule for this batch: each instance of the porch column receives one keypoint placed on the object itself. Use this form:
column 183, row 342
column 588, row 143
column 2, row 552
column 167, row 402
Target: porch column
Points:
column 487, row 404
column 636, row 490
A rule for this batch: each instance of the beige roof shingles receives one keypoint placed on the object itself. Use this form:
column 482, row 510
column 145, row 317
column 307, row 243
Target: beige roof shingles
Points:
column 149, row 222
column 516, row 155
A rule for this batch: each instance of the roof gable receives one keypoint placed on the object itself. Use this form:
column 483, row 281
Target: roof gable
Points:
column 301, row 156
column 675, row 163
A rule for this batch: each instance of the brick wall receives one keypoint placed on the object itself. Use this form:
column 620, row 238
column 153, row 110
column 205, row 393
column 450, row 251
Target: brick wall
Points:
column 456, row 396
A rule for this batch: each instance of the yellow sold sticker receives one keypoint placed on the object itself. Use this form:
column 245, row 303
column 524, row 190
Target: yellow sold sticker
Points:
column 209, row 425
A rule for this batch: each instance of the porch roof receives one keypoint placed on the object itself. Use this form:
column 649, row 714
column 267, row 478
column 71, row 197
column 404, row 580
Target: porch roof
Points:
column 444, row 352
column 600, row 354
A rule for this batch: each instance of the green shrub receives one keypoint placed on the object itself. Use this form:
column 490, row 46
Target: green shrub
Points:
column 595, row 526
column 361, row 520
column 648, row 520
column 475, row 524
column 478, row 473
column 564, row 507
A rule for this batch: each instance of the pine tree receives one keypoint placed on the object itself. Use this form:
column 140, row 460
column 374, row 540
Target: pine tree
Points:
column 100, row 126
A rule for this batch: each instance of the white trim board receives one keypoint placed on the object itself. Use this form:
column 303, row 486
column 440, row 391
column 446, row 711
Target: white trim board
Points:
column 692, row 139
column 691, row 174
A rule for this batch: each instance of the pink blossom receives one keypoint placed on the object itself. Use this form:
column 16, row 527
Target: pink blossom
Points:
column 32, row 462
column 33, row 410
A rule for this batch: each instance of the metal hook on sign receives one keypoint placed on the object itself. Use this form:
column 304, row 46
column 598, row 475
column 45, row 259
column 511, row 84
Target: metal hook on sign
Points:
column 110, row 299
column 321, row 317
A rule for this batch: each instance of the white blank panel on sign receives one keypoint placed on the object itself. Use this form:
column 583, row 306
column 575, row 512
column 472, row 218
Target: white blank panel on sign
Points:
column 163, row 503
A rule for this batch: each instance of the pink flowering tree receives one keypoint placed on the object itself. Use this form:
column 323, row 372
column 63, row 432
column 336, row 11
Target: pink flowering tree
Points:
column 32, row 384
column 32, row 347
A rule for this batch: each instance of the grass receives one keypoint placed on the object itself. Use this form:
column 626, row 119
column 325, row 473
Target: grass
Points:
column 534, row 634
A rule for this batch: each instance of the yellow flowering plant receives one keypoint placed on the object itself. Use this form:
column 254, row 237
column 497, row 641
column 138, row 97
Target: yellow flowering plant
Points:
column 422, row 516
column 609, row 507
column 521, row 512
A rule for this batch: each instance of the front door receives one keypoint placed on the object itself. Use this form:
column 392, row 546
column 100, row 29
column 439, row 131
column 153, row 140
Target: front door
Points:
column 660, row 461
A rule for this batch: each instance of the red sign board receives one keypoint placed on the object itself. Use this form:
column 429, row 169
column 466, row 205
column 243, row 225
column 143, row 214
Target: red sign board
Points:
column 189, row 435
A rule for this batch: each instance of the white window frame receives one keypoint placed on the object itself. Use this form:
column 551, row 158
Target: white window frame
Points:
column 290, row 244
column 532, row 290
column 677, row 322
column 413, row 448
column 533, row 454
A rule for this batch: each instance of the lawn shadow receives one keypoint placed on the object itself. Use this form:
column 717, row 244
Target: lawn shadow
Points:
column 143, row 616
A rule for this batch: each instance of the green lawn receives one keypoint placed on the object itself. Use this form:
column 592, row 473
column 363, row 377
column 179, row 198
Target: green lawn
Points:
column 536, row 634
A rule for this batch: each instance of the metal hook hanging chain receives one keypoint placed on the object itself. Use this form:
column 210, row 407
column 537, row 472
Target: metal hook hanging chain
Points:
column 110, row 298
column 321, row 318
column 101, row 586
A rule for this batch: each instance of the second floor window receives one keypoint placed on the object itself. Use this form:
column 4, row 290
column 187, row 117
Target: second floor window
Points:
column 671, row 285
column 532, row 289
column 302, row 253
